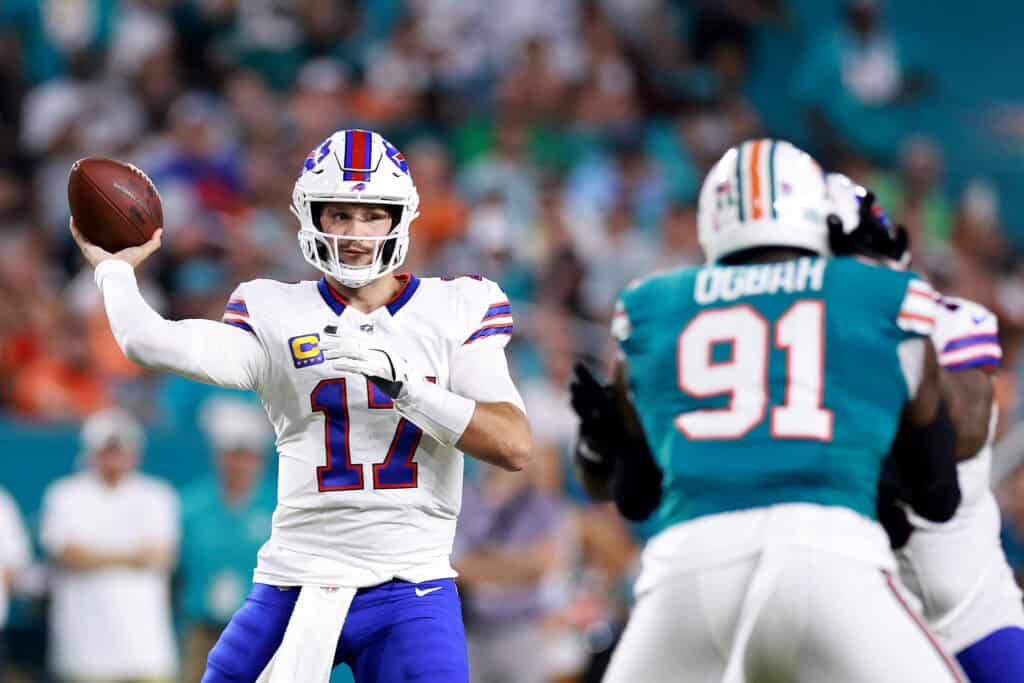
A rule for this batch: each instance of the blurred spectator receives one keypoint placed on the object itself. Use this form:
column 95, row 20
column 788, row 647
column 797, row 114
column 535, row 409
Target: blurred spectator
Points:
column 505, row 172
column 111, row 534
column 200, row 163
column 15, row 555
column 231, row 503
column 490, row 247
column 442, row 212
column 509, row 548
column 915, row 197
column 627, row 177
column 855, row 79
column 546, row 394
column 1011, row 499
column 615, row 257
column 679, row 246
column 61, row 383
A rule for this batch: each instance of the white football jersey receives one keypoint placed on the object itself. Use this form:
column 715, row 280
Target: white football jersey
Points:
column 364, row 496
column 957, row 569
column 966, row 336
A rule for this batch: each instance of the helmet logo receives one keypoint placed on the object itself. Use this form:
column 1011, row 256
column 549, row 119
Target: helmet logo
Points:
column 725, row 195
column 316, row 156
column 397, row 158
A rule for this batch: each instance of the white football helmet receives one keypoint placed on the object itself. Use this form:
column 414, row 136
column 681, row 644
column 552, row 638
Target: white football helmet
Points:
column 844, row 197
column 763, row 193
column 354, row 166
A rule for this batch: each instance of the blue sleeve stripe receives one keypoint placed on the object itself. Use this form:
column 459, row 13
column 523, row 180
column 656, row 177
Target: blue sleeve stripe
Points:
column 495, row 311
column 237, row 307
column 971, row 340
column 983, row 361
column 239, row 324
column 488, row 331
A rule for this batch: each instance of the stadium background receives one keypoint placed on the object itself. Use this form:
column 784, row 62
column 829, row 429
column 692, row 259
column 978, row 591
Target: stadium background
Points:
column 557, row 145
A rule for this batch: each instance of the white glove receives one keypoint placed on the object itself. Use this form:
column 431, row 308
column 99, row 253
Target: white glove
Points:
column 438, row 412
column 356, row 354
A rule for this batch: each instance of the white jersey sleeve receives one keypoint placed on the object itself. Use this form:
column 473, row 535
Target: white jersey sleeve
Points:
column 919, row 308
column 479, row 368
column 966, row 336
column 228, row 355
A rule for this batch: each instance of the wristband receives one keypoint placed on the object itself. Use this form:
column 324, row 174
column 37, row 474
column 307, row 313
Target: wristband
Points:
column 438, row 412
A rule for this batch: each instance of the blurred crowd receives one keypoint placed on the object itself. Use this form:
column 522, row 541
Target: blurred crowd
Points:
column 557, row 146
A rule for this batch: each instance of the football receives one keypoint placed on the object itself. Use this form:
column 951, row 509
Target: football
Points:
column 114, row 204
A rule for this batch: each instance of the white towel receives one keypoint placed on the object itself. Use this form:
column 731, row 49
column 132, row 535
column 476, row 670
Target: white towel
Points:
column 306, row 654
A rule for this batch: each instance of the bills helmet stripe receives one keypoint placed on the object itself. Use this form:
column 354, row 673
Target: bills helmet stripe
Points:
column 357, row 155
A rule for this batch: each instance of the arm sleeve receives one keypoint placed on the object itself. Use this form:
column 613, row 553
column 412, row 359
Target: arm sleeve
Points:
column 919, row 309
column 923, row 470
column 480, row 372
column 227, row 355
column 479, row 367
column 966, row 336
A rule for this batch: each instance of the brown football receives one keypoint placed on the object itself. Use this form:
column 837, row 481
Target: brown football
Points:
column 114, row 204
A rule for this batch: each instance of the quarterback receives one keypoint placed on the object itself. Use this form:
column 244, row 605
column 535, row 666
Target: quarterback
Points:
column 376, row 383
column 760, row 395
column 957, row 569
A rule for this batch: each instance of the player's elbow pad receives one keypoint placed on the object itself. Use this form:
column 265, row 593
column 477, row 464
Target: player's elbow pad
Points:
column 636, row 483
column 931, row 453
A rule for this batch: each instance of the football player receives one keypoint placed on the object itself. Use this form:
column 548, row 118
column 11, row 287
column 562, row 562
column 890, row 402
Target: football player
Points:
column 957, row 569
column 376, row 384
column 769, row 385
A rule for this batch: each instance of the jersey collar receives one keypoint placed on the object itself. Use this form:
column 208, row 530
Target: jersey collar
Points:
column 336, row 302
column 410, row 283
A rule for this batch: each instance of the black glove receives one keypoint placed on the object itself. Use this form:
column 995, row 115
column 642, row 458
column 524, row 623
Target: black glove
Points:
column 874, row 236
column 600, row 421
column 891, row 514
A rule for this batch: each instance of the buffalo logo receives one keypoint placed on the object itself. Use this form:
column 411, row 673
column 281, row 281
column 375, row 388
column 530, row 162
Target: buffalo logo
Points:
column 397, row 158
column 316, row 156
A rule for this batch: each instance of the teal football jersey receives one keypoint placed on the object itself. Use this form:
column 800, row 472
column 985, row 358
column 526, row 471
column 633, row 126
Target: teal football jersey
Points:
column 771, row 383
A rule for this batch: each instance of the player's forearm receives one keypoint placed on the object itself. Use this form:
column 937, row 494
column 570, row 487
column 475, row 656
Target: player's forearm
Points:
column 973, row 390
column 144, row 335
column 499, row 434
column 199, row 349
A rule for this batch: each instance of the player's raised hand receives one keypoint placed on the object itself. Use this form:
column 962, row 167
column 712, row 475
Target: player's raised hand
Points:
column 594, row 403
column 132, row 255
column 353, row 353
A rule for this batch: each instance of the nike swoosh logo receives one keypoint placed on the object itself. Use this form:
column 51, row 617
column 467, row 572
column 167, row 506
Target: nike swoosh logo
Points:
column 420, row 592
column 978, row 318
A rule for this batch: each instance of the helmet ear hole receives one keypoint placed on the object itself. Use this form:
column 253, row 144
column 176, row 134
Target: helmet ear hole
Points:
column 316, row 208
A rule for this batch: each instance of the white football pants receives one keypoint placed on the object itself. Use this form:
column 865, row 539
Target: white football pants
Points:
column 784, row 613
